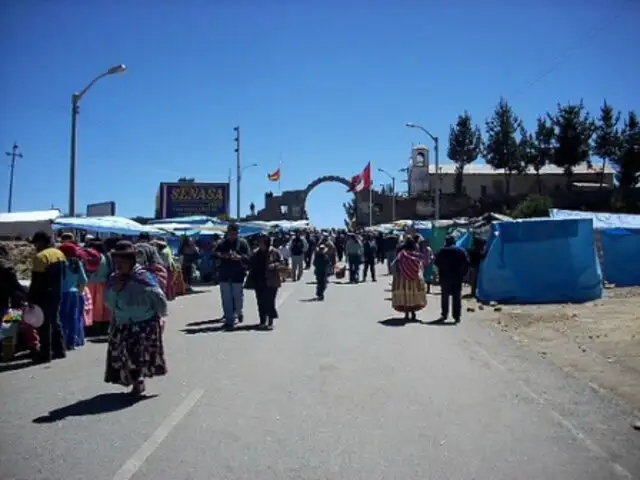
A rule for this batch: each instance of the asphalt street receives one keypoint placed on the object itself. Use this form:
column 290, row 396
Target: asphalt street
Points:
column 341, row 389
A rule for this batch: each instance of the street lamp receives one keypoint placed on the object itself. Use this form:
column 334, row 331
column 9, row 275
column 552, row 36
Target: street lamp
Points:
column 436, row 148
column 393, row 188
column 75, row 108
column 238, row 182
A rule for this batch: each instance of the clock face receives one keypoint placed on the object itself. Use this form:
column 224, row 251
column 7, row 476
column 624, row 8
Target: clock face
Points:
column 419, row 159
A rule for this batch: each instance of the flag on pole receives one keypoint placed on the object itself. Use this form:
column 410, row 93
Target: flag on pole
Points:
column 361, row 181
column 275, row 176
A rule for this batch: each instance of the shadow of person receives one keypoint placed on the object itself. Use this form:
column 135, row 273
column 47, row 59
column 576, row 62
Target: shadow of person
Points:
column 99, row 404
column 220, row 328
column 394, row 322
column 205, row 322
column 17, row 363
column 308, row 300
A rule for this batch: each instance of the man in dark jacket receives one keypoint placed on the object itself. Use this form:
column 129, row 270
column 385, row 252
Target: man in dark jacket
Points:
column 370, row 252
column 45, row 291
column 453, row 264
column 234, row 254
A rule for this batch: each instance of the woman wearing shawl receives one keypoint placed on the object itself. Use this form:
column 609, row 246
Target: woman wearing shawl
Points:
column 408, row 293
column 98, row 282
column 135, row 350
column 72, row 304
column 166, row 255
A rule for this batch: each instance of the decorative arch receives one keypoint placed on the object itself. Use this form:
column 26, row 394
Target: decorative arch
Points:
column 318, row 181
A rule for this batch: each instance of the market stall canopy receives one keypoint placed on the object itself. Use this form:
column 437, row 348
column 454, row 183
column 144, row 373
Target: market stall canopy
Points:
column 115, row 225
column 25, row 224
column 192, row 220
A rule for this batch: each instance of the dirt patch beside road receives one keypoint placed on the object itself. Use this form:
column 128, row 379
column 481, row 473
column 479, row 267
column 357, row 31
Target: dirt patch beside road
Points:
column 598, row 341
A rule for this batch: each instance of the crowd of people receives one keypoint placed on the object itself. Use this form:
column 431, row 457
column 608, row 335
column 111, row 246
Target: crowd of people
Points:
column 123, row 286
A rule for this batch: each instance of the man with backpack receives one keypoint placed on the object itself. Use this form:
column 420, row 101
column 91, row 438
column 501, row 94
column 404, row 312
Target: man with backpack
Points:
column 297, row 247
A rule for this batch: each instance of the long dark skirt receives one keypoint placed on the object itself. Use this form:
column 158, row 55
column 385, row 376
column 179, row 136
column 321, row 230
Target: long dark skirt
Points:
column 135, row 352
column 266, row 299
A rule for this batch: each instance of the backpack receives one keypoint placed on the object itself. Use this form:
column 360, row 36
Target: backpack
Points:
column 297, row 247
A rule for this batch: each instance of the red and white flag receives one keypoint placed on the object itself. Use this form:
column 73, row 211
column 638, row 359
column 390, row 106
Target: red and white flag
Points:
column 361, row 181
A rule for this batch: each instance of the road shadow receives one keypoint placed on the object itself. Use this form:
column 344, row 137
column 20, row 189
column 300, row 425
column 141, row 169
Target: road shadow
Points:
column 19, row 362
column 388, row 299
column 308, row 300
column 311, row 283
column 100, row 339
column 397, row 322
column 222, row 329
column 205, row 322
column 103, row 403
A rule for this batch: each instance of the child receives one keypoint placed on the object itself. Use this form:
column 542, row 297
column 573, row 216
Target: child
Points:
column 321, row 269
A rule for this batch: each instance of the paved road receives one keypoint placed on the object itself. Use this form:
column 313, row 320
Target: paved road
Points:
column 332, row 393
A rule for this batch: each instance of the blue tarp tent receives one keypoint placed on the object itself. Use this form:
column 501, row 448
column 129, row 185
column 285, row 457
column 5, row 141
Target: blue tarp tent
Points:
column 620, row 260
column 540, row 261
column 620, row 243
column 115, row 225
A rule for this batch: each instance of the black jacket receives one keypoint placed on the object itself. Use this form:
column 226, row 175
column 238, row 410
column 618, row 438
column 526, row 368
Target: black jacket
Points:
column 233, row 270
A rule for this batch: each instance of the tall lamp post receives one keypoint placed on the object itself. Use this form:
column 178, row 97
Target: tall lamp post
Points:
column 238, row 181
column 75, row 109
column 393, row 188
column 436, row 148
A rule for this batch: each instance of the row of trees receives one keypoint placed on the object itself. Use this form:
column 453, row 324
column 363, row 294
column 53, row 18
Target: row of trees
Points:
column 566, row 138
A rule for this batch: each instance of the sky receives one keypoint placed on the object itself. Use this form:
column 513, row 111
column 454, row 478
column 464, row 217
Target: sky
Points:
column 322, row 86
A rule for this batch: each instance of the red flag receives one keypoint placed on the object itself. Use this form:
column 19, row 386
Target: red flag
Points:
column 361, row 181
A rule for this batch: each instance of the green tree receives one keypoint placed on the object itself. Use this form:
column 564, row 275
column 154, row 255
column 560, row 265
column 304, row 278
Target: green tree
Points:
column 502, row 148
column 628, row 163
column 607, row 143
column 539, row 151
column 573, row 131
column 465, row 146
column 349, row 211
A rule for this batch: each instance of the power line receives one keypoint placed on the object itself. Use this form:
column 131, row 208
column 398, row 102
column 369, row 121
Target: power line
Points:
column 587, row 36
column 14, row 153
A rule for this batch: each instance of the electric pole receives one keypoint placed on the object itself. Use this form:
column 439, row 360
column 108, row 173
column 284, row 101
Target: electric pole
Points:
column 14, row 153
column 238, row 171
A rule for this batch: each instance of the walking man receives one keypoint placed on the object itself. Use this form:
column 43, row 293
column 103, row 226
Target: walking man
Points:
column 234, row 254
column 298, row 248
column 453, row 265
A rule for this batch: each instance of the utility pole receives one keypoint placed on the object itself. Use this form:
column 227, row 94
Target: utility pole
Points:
column 14, row 153
column 238, row 171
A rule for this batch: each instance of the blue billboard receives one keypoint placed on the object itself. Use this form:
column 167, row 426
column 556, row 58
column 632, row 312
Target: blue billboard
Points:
column 187, row 199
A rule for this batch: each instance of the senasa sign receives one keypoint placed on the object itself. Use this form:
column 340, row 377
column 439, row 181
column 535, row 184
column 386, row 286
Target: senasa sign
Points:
column 186, row 199
column 102, row 209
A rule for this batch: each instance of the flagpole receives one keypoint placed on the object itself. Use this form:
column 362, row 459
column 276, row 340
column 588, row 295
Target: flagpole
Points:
column 280, row 175
column 370, row 197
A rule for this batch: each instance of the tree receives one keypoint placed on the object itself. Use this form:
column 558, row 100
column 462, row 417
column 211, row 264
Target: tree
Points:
column 607, row 142
column 628, row 163
column 350, row 209
column 534, row 206
column 573, row 130
column 465, row 146
column 538, row 151
column 502, row 148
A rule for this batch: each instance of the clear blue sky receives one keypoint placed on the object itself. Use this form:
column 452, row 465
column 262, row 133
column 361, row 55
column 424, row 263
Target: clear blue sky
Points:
column 326, row 85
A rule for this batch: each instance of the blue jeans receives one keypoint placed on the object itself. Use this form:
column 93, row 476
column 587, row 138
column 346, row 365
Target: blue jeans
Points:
column 232, row 300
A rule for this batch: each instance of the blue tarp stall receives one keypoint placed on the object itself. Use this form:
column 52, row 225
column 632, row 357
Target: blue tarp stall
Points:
column 621, row 260
column 619, row 236
column 115, row 225
column 193, row 220
column 465, row 241
column 538, row 261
